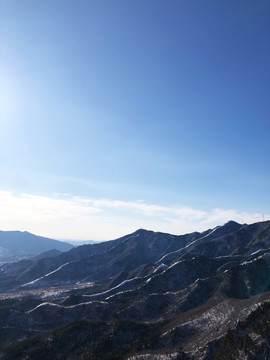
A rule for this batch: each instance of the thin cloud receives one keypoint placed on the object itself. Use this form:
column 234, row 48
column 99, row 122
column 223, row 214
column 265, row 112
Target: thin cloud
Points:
column 74, row 217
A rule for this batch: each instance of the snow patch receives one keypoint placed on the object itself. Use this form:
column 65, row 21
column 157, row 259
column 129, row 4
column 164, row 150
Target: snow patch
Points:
column 188, row 245
column 256, row 252
column 34, row 282
column 159, row 267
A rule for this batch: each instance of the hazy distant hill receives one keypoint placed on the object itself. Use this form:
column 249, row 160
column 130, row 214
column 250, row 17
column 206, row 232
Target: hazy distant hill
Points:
column 16, row 244
column 81, row 242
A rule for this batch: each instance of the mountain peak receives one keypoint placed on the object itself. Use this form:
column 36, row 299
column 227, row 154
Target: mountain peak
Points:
column 142, row 231
column 230, row 226
column 231, row 222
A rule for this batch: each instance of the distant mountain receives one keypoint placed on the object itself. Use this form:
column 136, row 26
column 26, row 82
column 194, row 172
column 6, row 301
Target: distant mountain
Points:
column 81, row 242
column 16, row 244
column 147, row 295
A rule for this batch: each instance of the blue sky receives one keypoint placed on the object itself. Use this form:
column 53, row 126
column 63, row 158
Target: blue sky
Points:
column 109, row 104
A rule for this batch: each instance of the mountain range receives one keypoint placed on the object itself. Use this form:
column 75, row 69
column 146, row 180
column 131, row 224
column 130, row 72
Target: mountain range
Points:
column 146, row 295
column 15, row 245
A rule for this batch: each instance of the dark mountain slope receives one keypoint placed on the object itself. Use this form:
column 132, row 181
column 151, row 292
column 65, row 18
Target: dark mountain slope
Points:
column 98, row 262
column 94, row 340
column 178, row 295
column 249, row 340
column 230, row 239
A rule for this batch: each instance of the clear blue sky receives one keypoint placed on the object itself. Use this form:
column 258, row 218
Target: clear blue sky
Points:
column 166, row 102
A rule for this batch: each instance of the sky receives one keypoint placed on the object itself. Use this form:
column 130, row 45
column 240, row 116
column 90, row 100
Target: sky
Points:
column 117, row 115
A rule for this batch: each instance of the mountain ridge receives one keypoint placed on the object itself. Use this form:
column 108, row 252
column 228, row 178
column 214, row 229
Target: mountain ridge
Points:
column 146, row 295
column 22, row 244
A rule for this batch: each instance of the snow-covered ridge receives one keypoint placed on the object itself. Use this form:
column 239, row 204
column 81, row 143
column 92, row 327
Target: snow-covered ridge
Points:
column 161, row 266
column 76, row 306
column 188, row 245
column 109, row 291
column 34, row 282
